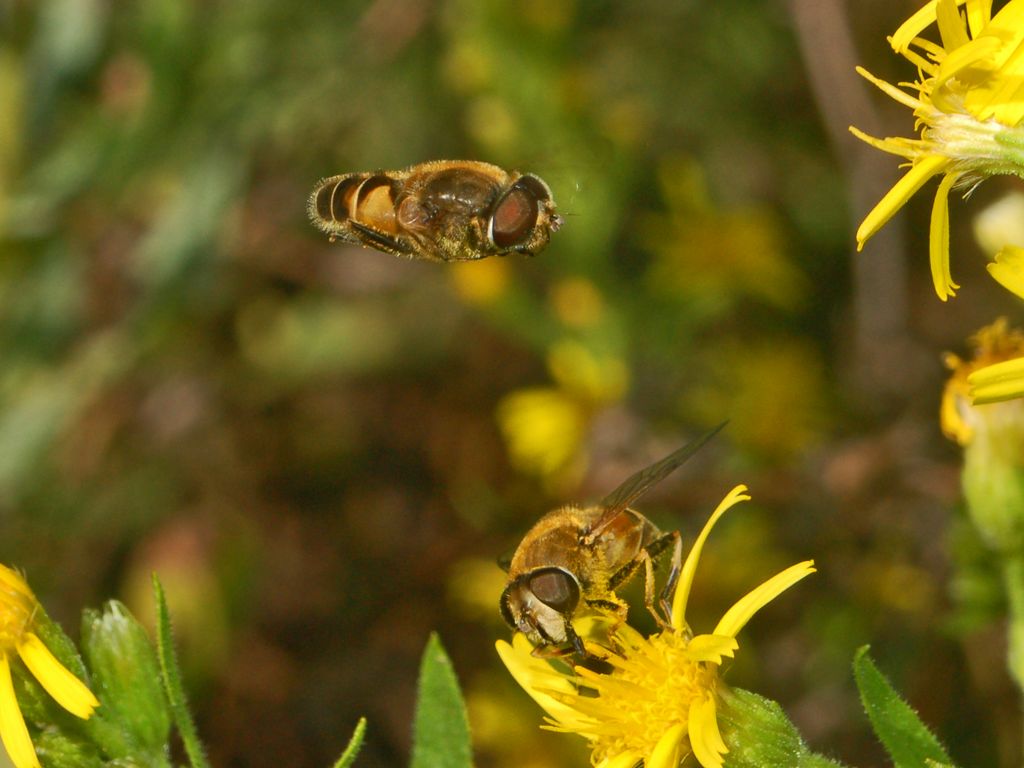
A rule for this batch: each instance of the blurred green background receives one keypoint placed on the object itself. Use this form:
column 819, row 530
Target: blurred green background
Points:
column 324, row 450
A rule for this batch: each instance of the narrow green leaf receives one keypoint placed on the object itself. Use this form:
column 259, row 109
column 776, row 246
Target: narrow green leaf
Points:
column 441, row 729
column 909, row 743
column 758, row 733
column 348, row 757
column 171, row 675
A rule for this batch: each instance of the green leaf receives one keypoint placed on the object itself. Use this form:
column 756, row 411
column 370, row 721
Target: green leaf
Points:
column 354, row 745
column 758, row 733
column 126, row 678
column 909, row 743
column 60, row 645
column 36, row 705
column 57, row 750
column 441, row 729
column 171, row 675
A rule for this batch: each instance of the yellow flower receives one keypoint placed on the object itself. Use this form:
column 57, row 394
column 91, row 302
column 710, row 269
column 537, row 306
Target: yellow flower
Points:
column 18, row 609
column 659, row 702
column 481, row 286
column 995, row 373
column 544, row 427
column 992, row 436
column 1008, row 269
column 968, row 107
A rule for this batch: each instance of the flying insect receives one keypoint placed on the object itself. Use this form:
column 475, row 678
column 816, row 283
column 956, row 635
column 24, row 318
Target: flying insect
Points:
column 576, row 557
column 444, row 210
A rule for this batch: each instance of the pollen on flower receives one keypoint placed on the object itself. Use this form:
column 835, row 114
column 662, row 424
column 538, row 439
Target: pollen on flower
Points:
column 651, row 690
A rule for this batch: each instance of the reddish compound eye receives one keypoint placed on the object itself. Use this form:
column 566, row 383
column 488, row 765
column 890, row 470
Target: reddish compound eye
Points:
column 556, row 588
column 514, row 218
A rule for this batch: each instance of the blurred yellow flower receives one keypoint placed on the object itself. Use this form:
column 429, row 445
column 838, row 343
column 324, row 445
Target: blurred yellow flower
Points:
column 773, row 388
column 480, row 282
column 18, row 608
column 577, row 302
column 992, row 436
column 968, row 108
column 1008, row 269
column 994, row 373
column 706, row 253
column 544, row 427
column 1001, row 224
column 659, row 702
column 598, row 379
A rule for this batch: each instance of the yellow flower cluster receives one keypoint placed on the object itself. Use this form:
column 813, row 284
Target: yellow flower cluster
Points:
column 969, row 104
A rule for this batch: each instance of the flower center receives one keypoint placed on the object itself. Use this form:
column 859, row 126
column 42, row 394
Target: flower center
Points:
column 651, row 691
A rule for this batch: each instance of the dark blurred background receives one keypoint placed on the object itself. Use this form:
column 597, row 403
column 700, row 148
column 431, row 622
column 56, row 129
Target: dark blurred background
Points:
column 323, row 450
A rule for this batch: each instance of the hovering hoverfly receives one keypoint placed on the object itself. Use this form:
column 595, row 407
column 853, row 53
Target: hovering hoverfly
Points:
column 446, row 210
column 575, row 557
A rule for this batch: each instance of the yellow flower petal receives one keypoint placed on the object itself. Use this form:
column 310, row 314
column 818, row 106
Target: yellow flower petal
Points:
column 66, row 689
column 1001, row 103
column 11, row 580
column 666, row 752
column 889, row 90
column 978, row 15
column 712, row 648
column 951, row 26
column 938, row 242
column 997, row 382
column 736, row 495
column 897, row 197
column 532, row 673
column 914, row 26
column 953, row 412
column 12, row 725
column 962, row 59
column 1008, row 269
column 623, row 760
column 705, row 738
column 737, row 616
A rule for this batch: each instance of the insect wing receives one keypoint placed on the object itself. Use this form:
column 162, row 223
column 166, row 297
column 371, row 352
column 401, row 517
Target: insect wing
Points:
column 638, row 484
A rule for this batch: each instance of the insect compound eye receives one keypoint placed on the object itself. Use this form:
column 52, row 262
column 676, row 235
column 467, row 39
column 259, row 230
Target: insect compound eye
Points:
column 556, row 588
column 515, row 215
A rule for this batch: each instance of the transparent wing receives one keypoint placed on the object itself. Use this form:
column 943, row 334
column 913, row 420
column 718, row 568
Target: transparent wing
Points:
column 638, row 484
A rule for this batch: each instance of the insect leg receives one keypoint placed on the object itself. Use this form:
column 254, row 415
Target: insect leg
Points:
column 625, row 573
column 668, row 592
column 379, row 240
column 647, row 556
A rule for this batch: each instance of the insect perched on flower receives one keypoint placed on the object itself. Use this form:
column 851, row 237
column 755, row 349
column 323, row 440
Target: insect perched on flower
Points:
column 657, row 699
column 575, row 557
column 445, row 210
